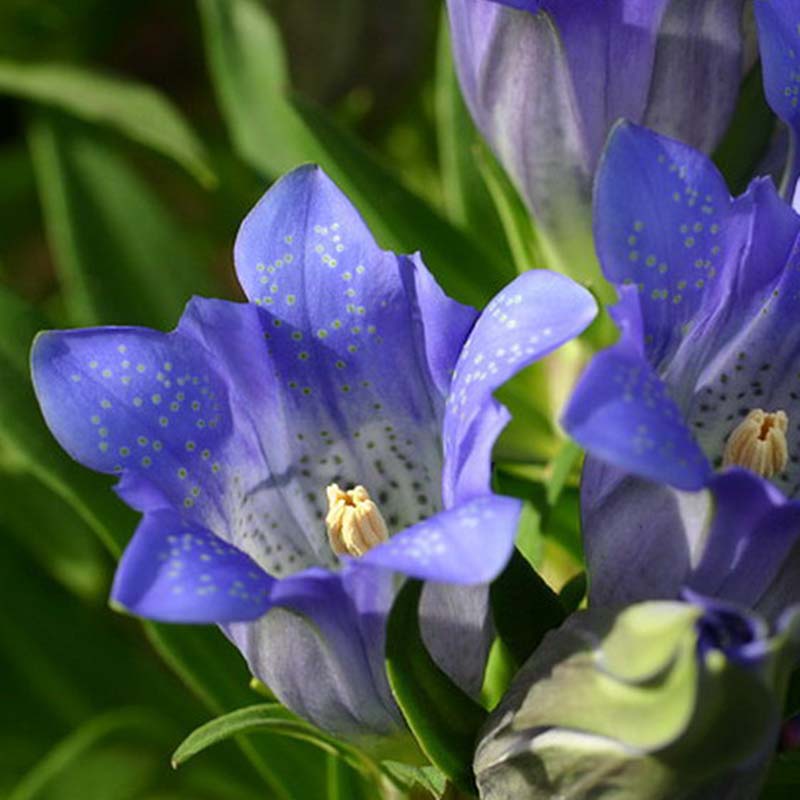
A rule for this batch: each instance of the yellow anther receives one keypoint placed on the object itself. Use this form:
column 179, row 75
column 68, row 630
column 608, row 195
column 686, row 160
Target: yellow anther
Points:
column 355, row 524
column 759, row 443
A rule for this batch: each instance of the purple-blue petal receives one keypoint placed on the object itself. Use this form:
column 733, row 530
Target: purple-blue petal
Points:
column 305, row 255
column 753, row 532
column 384, row 437
column 641, row 539
column 699, row 48
column 467, row 544
column 523, row 5
column 321, row 648
column 622, row 413
column 175, row 571
column 141, row 404
column 515, row 75
column 456, row 625
column 662, row 224
column 546, row 87
column 536, row 313
column 753, row 366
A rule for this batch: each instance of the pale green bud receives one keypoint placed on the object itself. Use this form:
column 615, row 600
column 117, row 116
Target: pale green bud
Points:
column 661, row 701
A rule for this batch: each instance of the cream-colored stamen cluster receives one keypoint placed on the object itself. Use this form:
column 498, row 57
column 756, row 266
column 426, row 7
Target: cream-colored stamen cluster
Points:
column 759, row 443
column 355, row 524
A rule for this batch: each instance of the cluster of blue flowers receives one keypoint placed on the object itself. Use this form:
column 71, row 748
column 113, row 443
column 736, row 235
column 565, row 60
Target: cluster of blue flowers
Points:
column 299, row 456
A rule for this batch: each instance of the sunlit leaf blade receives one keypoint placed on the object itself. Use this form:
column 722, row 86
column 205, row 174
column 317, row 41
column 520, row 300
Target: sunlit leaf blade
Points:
column 524, row 608
column 120, row 255
column 269, row 718
column 251, row 79
column 561, row 468
column 138, row 111
column 444, row 720
column 427, row 779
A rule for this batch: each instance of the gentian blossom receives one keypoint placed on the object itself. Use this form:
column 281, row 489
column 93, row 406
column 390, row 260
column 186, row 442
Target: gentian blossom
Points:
column 692, row 420
column 293, row 453
column 545, row 80
column 661, row 700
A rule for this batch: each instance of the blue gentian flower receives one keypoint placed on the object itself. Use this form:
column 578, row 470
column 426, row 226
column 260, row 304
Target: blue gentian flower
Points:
column 545, row 80
column 350, row 394
column 647, row 703
column 692, row 420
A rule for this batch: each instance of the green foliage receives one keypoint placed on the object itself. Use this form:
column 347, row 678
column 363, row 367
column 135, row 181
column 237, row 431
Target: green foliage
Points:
column 120, row 255
column 251, row 78
column 444, row 720
column 133, row 109
column 273, row 719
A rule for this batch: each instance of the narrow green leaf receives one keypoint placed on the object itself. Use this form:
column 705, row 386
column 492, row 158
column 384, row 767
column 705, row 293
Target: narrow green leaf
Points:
column 530, row 539
column 411, row 779
column 139, row 721
column 561, row 467
column 269, row 718
column 120, row 255
column 139, row 112
column 444, row 720
column 501, row 667
column 251, row 78
column 524, row 608
column 516, row 221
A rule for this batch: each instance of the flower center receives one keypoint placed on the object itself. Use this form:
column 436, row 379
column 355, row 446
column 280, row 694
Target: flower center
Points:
column 354, row 522
column 759, row 443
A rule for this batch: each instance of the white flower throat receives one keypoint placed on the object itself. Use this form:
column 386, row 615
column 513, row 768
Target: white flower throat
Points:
column 355, row 524
column 759, row 443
